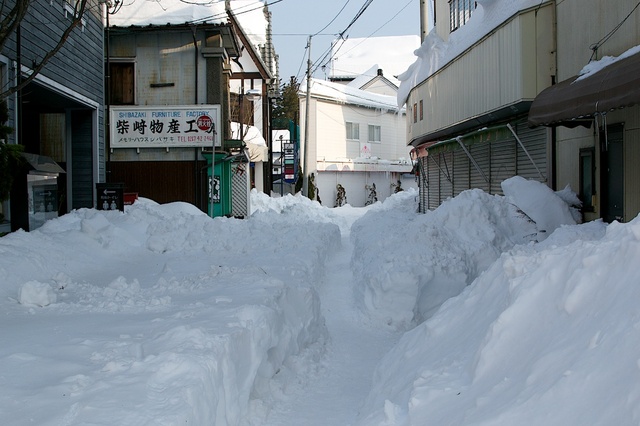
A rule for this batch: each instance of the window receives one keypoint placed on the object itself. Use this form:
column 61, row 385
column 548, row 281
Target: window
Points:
column 71, row 10
column 421, row 110
column 247, row 108
column 353, row 131
column 459, row 12
column 53, row 136
column 122, row 83
column 415, row 113
column 587, row 178
column 374, row 133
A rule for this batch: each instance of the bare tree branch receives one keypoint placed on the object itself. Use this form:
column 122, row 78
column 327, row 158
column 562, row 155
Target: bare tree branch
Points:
column 14, row 18
column 10, row 22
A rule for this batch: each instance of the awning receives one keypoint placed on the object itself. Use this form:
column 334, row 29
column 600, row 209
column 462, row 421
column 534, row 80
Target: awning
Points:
column 41, row 163
column 572, row 102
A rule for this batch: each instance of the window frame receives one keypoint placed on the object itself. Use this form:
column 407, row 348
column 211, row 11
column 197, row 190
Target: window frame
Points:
column 355, row 131
column 374, row 127
column 460, row 12
column 121, row 63
column 69, row 10
column 587, row 202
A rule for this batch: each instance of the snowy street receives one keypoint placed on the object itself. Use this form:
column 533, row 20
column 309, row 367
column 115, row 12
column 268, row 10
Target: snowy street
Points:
column 488, row 310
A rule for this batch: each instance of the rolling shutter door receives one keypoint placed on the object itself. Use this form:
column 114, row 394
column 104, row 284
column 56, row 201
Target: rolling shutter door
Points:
column 434, row 182
column 535, row 141
column 481, row 152
column 446, row 172
column 461, row 171
column 503, row 162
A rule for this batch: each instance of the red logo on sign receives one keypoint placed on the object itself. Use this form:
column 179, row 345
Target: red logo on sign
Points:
column 204, row 123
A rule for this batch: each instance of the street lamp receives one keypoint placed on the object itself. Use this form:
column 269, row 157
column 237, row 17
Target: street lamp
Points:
column 251, row 95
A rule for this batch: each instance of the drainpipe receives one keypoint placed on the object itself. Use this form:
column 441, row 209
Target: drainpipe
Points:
column 196, row 187
column 107, row 119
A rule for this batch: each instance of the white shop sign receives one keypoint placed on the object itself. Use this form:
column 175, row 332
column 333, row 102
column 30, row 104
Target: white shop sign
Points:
column 165, row 126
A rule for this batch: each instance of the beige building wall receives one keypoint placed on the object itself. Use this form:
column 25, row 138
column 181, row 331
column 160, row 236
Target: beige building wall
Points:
column 581, row 25
column 511, row 65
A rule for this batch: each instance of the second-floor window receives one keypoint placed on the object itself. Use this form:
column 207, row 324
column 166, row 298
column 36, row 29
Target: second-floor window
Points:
column 375, row 133
column 353, row 131
column 459, row 12
column 122, row 83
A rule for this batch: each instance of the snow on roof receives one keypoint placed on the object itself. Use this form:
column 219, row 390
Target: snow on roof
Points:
column 595, row 66
column 369, row 75
column 436, row 53
column 250, row 16
column 346, row 94
column 251, row 133
column 177, row 12
column 355, row 56
column 168, row 12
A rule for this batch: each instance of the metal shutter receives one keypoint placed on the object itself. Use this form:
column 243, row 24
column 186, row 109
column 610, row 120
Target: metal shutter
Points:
column 503, row 162
column 461, row 171
column 536, row 142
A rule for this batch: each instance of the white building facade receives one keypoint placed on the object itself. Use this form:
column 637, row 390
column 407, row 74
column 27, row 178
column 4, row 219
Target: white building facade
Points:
column 356, row 140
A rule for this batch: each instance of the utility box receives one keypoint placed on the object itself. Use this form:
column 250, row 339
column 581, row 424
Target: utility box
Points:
column 219, row 200
column 35, row 197
column 110, row 196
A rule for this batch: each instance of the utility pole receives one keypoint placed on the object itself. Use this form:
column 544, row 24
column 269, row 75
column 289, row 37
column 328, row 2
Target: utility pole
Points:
column 305, row 169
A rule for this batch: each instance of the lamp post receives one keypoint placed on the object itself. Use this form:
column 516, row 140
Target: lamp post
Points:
column 251, row 95
column 213, row 168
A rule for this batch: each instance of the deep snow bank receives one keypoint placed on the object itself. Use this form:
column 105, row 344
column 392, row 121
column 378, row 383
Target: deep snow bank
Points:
column 547, row 335
column 406, row 264
column 160, row 315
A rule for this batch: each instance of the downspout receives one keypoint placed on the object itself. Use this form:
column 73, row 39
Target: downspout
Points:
column 18, row 81
column 197, row 174
column 107, row 119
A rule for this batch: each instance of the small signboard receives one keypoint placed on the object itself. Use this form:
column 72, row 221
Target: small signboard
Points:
column 164, row 126
column 214, row 191
column 110, row 196
column 289, row 161
column 45, row 198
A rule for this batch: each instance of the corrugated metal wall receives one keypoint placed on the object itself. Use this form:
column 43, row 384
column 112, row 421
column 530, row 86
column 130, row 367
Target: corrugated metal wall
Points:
column 240, row 187
column 448, row 170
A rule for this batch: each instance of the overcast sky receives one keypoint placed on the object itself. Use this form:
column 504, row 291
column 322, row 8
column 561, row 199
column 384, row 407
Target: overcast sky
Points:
column 295, row 20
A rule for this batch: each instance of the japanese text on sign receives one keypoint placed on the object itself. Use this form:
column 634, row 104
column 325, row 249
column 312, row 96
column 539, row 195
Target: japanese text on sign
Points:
column 165, row 126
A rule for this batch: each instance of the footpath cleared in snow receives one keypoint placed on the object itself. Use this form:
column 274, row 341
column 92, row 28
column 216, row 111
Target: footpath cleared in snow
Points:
column 333, row 391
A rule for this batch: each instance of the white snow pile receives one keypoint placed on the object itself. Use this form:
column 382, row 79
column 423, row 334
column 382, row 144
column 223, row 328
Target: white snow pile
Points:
column 432, row 257
column 156, row 316
column 506, row 312
column 549, row 334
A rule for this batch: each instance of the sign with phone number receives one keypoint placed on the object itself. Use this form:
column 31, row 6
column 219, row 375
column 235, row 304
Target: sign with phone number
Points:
column 165, row 126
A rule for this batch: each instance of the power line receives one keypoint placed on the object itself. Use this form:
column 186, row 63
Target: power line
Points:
column 603, row 40
column 334, row 18
column 381, row 26
column 324, row 61
column 364, row 7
